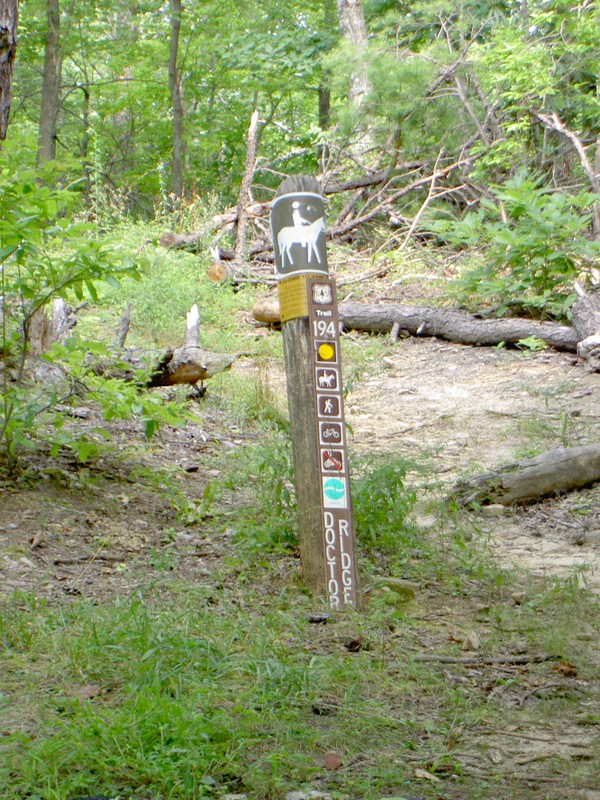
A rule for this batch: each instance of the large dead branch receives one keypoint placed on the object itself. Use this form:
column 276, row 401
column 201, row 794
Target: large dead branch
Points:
column 383, row 199
column 554, row 122
column 552, row 473
column 586, row 320
column 450, row 324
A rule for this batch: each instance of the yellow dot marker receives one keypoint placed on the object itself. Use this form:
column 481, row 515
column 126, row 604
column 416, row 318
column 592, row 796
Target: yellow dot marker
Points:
column 326, row 351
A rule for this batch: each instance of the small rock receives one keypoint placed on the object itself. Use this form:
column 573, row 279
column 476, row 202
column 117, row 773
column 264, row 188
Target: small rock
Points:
column 494, row 510
column 471, row 641
column 518, row 598
column 387, row 362
column 428, row 776
column 319, row 618
column 332, row 760
column 519, row 648
column 406, row 589
column 234, row 797
column 590, row 537
column 26, row 562
column 37, row 540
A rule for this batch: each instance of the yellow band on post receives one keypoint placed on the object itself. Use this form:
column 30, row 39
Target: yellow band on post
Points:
column 293, row 297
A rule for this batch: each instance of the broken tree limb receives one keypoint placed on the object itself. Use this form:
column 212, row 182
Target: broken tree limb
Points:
column 552, row 473
column 189, row 365
column 451, row 324
column 198, row 239
column 123, row 328
column 244, row 195
column 473, row 661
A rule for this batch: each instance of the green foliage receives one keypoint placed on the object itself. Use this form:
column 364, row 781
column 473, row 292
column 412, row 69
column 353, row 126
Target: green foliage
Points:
column 382, row 504
column 262, row 486
column 44, row 255
column 534, row 243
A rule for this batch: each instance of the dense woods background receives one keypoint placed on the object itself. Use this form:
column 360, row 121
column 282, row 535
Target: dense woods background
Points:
column 442, row 126
column 146, row 103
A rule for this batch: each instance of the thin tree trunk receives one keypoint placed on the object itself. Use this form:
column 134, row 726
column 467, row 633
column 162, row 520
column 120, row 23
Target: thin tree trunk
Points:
column 244, row 195
column 50, row 86
column 324, row 87
column 176, row 100
column 353, row 30
column 9, row 17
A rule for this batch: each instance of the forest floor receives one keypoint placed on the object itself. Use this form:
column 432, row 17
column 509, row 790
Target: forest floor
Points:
column 101, row 532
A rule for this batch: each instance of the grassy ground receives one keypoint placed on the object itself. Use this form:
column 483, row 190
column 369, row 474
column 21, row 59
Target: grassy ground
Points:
column 158, row 680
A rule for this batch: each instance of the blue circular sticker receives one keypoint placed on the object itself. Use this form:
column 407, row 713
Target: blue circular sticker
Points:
column 334, row 488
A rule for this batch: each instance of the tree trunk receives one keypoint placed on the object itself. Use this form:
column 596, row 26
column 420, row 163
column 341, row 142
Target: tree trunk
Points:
column 50, row 86
column 456, row 326
column 324, row 87
column 354, row 31
column 176, row 99
column 244, row 195
column 9, row 16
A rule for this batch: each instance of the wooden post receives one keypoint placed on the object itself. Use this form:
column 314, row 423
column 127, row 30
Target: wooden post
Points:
column 311, row 350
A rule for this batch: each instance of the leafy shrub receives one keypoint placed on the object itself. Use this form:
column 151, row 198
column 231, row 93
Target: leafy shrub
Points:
column 44, row 254
column 381, row 505
column 534, row 244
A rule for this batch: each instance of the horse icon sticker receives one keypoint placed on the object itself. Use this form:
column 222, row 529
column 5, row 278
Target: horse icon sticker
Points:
column 298, row 228
column 327, row 379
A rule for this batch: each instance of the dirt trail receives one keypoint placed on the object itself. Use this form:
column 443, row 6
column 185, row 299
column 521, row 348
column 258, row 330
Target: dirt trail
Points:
column 464, row 410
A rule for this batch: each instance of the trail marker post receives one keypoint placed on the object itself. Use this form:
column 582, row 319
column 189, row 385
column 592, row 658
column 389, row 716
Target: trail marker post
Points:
column 311, row 345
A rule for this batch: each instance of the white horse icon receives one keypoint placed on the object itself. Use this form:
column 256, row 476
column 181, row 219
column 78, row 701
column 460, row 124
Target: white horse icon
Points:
column 305, row 235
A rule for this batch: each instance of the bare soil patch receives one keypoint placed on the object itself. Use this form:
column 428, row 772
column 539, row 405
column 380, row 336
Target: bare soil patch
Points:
column 466, row 410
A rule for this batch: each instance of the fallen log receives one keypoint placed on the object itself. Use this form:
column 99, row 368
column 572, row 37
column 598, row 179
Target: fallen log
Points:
column 451, row 324
column 553, row 473
column 188, row 364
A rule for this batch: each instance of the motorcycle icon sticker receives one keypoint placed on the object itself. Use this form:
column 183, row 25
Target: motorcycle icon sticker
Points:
column 332, row 460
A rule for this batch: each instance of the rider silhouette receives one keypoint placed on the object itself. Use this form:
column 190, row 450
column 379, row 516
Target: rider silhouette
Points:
column 297, row 218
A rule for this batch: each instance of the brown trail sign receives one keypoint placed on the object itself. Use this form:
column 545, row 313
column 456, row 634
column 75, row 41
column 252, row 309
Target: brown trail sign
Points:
column 311, row 345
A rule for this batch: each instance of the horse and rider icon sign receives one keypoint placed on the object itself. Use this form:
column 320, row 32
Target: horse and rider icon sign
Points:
column 298, row 225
